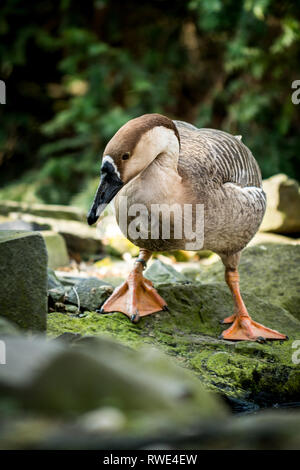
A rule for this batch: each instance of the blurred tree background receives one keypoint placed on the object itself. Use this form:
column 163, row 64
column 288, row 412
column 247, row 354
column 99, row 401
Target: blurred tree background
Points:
column 76, row 71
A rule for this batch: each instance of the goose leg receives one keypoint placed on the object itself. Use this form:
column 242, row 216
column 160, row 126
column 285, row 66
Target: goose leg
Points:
column 136, row 297
column 243, row 327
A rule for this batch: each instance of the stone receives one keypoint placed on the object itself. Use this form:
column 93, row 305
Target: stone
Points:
column 147, row 389
column 91, row 293
column 262, row 238
column 283, row 205
column 56, row 248
column 107, row 429
column 22, row 225
column 23, row 274
column 70, row 278
column 249, row 371
column 269, row 271
column 161, row 272
column 57, row 294
column 43, row 210
column 53, row 280
column 79, row 237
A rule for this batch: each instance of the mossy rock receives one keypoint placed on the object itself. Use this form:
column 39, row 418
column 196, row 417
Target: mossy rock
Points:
column 270, row 271
column 23, row 274
column 149, row 391
column 189, row 333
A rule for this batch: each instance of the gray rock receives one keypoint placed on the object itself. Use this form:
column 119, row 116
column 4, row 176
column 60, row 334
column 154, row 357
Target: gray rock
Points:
column 79, row 237
column 107, row 429
column 56, row 248
column 55, row 243
column 57, row 294
column 43, row 210
column 91, row 293
column 23, row 274
column 52, row 377
column 22, row 225
column 159, row 272
column 53, row 281
column 69, row 278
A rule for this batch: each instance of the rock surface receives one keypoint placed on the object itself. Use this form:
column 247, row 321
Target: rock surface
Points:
column 79, row 237
column 103, row 373
column 43, row 210
column 160, row 272
column 56, row 248
column 283, row 205
column 22, row 225
column 268, row 271
column 89, row 293
column 120, row 400
column 262, row 373
column 266, row 237
column 23, row 274
column 103, row 429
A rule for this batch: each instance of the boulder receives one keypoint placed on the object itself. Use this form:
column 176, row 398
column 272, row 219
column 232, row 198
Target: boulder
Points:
column 79, row 237
column 268, row 271
column 246, row 371
column 69, row 278
column 283, row 205
column 56, row 248
column 43, row 210
column 147, row 389
column 89, row 294
column 161, row 272
column 23, row 274
column 262, row 238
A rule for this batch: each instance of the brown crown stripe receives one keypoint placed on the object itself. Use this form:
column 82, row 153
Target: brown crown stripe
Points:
column 132, row 131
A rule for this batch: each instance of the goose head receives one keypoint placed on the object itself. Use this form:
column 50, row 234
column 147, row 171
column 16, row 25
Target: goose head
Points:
column 130, row 151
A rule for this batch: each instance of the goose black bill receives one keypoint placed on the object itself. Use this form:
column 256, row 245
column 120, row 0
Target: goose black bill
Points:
column 110, row 185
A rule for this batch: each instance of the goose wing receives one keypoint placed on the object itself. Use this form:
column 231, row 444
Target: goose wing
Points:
column 210, row 154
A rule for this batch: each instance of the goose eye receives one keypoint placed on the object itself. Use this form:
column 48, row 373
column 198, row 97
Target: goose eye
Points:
column 125, row 156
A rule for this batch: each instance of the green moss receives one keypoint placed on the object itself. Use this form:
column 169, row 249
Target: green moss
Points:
column 114, row 325
column 189, row 333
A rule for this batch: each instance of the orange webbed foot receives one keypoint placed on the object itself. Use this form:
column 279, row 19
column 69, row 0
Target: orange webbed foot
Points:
column 136, row 298
column 246, row 329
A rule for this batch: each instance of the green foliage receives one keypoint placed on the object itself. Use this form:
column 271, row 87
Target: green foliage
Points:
column 76, row 71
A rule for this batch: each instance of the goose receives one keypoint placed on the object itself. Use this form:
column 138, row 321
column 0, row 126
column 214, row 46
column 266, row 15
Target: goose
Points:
column 153, row 160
